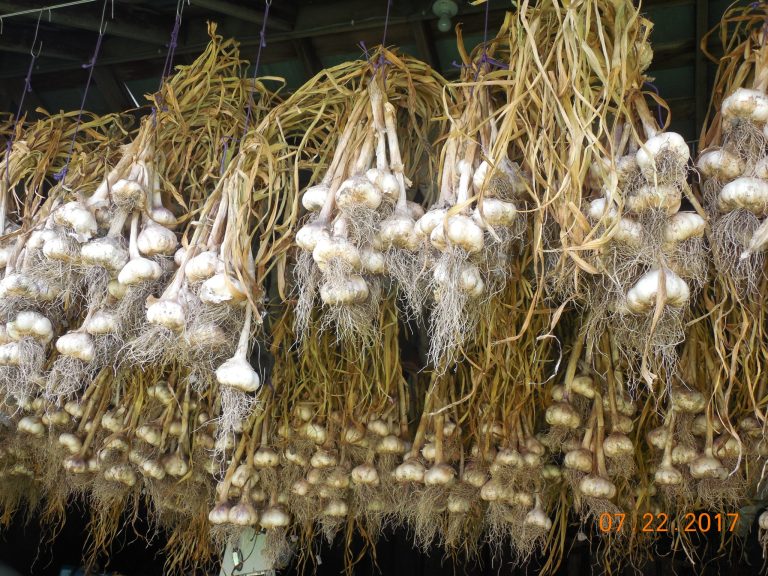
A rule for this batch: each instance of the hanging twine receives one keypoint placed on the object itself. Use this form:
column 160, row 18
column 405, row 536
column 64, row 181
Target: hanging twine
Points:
column 27, row 88
column 168, row 64
column 61, row 176
column 262, row 45
column 382, row 62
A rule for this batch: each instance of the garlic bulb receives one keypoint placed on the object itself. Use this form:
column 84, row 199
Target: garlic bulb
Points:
column 156, row 240
column 175, row 465
column 243, row 514
column 747, row 193
column 597, row 487
column 580, row 460
column 667, row 475
column 461, row 231
column 238, row 373
column 584, row 386
column 746, row 103
column 101, row 322
column 219, row 515
column 75, row 216
column 169, row 314
column 314, row 197
column 221, row 288
column 642, row 296
column 335, row 248
column 720, row 164
column 31, row 425
column 439, row 475
column 562, row 414
column 617, row 444
column 77, row 345
column 202, row 266
column 107, row 252
column 365, row 474
column 310, row 234
column 492, row 491
column 537, row 518
column 10, row 354
column 274, row 517
column 684, row 226
column 409, row 471
column 122, row 473
column 358, row 191
column 30, row 324
column 352, row 290
column 706, row 466
column 399, row 231
column 137, row 269
column 427, row 223
column 266, row 458
column 336, row 508
column 458, row 504
column 665, row 142
column 58, row 248
column 665, row 197
column 687, row 400
column 494, row 212
column 384, row 181
column 372, row 261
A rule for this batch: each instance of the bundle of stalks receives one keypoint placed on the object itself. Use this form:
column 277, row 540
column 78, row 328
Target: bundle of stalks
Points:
column 652, row 256
column 732, row 160
column 361, row 234
column 505, row 469
column 467, row 236
column 34, row 289
column 733, row 151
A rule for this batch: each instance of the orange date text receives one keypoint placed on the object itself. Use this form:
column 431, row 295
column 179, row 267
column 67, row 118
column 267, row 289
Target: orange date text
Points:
column 664, row 523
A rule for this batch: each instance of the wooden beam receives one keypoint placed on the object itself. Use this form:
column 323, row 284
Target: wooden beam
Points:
column 16, row 48
column 425, row 43
column 120, row 27
column 307, row 53
column 111, row 88
column 243, row 13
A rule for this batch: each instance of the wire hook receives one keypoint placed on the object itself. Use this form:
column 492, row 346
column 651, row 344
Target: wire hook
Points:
column 34, row 39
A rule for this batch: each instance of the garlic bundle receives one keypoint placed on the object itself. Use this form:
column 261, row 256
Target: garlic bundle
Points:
column 469, row 233
column 363, row 221
column 734, row 175
column 651, row 256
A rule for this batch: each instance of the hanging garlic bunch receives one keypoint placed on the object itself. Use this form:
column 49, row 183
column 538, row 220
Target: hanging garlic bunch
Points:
column 734, row 172
column 353, row 199
column 650, row 256
column 468, row 232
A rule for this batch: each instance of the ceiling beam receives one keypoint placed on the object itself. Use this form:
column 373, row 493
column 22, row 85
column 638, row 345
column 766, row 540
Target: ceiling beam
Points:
column 243, row 13
column 15, row 48
column 121, row 27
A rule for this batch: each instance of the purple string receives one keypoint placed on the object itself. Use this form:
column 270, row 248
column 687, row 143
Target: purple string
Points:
column 262, row 45
column 658, row 106
column 382, row 61
column 27, row 88
column 168, row 64
column 61, row 175
column 224, row 155
column 9, row 144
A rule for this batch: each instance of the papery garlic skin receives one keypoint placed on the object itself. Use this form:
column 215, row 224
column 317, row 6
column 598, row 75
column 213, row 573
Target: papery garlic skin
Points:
column 238, row 373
